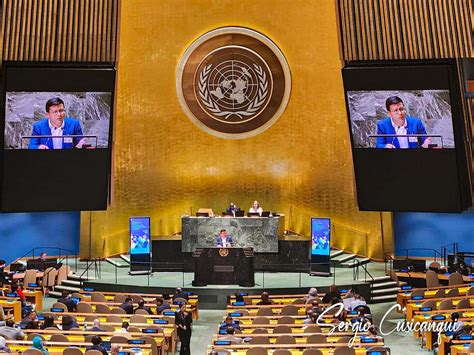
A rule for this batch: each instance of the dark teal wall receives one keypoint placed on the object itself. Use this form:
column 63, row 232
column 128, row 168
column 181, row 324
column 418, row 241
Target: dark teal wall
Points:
column 21, row 232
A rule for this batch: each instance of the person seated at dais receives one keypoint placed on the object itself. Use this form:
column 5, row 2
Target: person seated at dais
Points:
column 256, row 208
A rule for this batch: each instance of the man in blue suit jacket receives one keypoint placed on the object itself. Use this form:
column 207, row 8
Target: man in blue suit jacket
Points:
column 398, row 123
column 223, row 240
column 56, row 124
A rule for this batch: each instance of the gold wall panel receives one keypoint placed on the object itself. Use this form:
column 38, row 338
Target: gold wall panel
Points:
column 60, row 30
column 164, row 165
column 405, row 29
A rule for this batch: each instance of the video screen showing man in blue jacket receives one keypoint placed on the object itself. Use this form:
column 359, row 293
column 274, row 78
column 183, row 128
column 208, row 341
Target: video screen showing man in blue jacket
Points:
column 398, row 127
column 54, row 130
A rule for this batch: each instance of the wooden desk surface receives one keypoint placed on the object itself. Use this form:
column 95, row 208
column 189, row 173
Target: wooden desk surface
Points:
column 58, row 347
column 422, row 275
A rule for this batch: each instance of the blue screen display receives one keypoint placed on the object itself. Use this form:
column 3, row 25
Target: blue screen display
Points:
column 140, row 235
column 320, row 236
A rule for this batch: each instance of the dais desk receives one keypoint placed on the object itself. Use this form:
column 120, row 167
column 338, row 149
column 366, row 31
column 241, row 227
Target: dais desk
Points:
column 259, row 233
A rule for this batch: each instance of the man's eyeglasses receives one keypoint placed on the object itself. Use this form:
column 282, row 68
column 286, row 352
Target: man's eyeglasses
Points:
column 399, row 110
column 60, row 111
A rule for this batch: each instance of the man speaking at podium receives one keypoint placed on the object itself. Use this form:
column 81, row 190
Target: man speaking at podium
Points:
column 223, row 240
column 399, row 124
column 56, row 124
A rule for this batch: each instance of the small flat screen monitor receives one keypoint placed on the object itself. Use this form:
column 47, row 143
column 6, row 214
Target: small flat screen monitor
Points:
column 139, row 235
column 320, row 236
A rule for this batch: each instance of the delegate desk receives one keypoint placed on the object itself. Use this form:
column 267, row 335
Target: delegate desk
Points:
column 259, row 233
column 224, row 266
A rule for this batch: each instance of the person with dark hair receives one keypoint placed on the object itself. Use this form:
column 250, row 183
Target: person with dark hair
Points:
column 127, row 305
column 179, row 293
column 223, row 240
column 66, row 300
column 68, row 322
column 229, row 322
column 161, row 305
column 233, row 208
column 97, row 345
column 231, row 337
column 141, row 305
column 398, row 125
column 123, row 330
column 9, row 331
column 56, row 124
column 5, row 278
column 265, row 299
column 183, row 321
column 30, row 321
column 332, row 293
column 48, row 322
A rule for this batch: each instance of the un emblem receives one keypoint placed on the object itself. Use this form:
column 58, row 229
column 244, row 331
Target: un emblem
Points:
column 223, row 252
column 233, row 82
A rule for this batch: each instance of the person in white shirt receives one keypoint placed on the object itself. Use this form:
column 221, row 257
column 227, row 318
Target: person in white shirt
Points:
column 256, row 208
column 358, row 301
column 230, row 336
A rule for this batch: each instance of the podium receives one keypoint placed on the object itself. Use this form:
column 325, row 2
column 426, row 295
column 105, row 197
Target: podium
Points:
column 224, row 266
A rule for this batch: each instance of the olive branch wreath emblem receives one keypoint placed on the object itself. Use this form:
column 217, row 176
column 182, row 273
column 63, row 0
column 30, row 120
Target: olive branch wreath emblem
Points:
column 253, row 107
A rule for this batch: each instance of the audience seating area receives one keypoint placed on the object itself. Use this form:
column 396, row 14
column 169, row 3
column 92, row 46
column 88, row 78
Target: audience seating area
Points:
column 285, row 327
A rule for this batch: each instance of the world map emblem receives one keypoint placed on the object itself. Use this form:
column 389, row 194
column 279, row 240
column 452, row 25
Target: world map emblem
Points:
column 233, row 82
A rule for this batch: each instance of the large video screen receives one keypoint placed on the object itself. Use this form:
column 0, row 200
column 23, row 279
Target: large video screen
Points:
column 407, row 130
column 57, row 136
column 139, row 235
column 320, row 236
column 57, row 120
column 401, row 119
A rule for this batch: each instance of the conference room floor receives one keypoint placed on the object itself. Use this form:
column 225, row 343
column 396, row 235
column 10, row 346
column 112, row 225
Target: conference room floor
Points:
column 341, row 276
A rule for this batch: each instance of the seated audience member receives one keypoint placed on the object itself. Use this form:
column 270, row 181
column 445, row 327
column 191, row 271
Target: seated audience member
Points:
column 26, row 306
column 96, row 345
column 312, row 317
column 316, row 307
column 312, row 294
column 180, row 294
column 350, row 293
column 239, row 297
column 265, row 299
column 48, row 322
column 96, row 326
column 115, row 349
column 68, row 322
column 464, row 330
column 141, row 305
column 309, row 317
column 332, row 293
column 66, row 300
column 5, row 278
column 127, row 306
column 229, row 322
column 356, row 302
column 9, row 331
column 123, row 330
column 38, row 344
column 456, row 324
column 30, row 321
column 230, row 336
column 161, row 305
column 3, row 346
